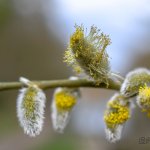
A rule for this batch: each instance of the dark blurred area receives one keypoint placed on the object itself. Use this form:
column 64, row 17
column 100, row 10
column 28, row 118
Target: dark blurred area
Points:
column 33, row 37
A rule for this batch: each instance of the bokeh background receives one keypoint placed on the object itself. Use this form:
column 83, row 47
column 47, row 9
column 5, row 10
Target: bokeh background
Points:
column 33, row 37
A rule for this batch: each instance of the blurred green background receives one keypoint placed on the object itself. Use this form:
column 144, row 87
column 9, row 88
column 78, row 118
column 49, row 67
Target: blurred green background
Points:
column 33, row 38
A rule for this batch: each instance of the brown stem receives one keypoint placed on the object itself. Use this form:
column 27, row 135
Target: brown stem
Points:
column 113, row 84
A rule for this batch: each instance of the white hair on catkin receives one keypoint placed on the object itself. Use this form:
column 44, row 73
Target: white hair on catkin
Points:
column 114, row 136
column 32, row 125
column 60, row 118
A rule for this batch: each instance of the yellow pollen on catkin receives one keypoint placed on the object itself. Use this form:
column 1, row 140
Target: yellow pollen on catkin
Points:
column 64, row 100
column 29, row 102
column 144, row 99
column 77, row 36
column 118, row 115
column 77, row 69
column 145, row 91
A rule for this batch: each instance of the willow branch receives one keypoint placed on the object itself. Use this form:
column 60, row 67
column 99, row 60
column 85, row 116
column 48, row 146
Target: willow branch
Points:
column 113, row 84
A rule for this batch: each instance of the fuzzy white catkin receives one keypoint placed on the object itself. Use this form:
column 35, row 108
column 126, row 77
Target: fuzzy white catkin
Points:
column 32, row 126
column 60, row 118
column 115, row 107
column 114, row 135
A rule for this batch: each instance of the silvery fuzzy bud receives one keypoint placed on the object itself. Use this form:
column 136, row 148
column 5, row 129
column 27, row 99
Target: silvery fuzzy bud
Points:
column 134, row 80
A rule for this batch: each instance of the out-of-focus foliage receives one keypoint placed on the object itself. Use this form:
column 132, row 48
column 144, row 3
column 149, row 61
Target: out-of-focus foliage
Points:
column 59, row 144
column 5, row 11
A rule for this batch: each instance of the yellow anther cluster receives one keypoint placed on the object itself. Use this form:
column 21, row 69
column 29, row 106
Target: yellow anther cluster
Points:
column 145, row 92
column 87, row 53
column 77, row 69
column 29, row 101
column 69, row 57
column 64, row 100
column 77, row 37
column 144, row 99
column 117, row 114
column 82, row 48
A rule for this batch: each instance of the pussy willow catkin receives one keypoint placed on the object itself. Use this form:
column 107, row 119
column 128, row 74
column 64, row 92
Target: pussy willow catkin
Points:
column 30, row 108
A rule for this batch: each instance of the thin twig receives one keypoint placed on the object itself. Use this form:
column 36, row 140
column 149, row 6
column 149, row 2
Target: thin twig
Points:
column 113, row 84
column 117, row 76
